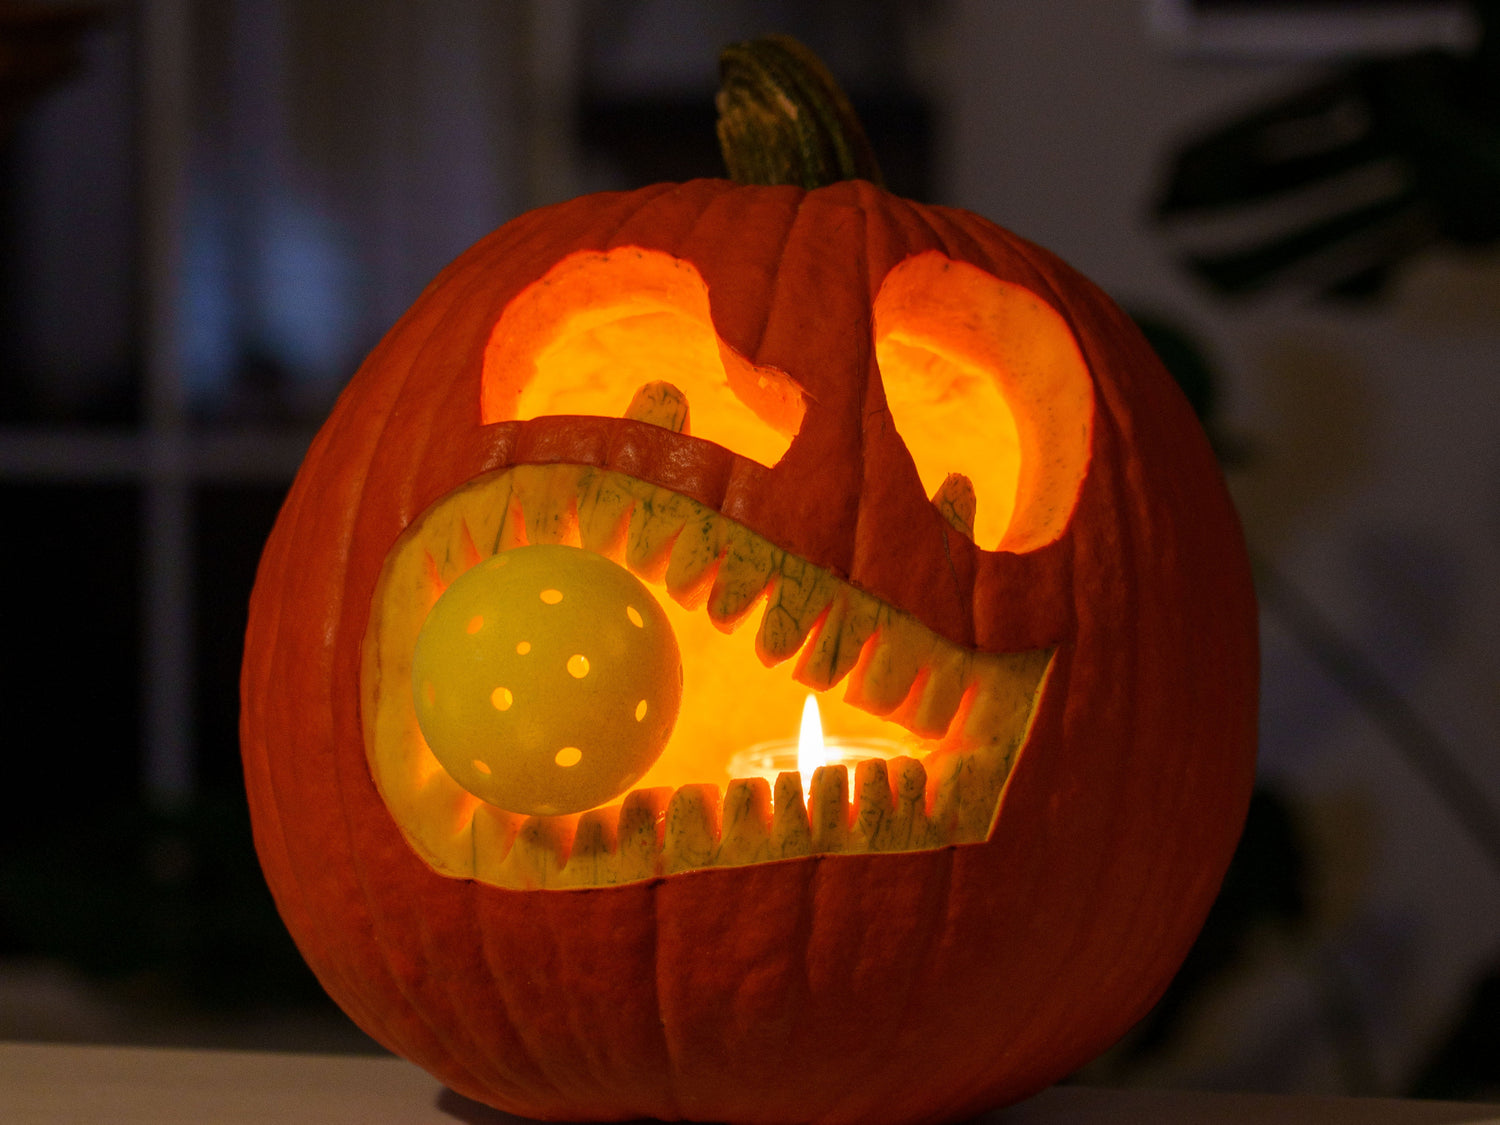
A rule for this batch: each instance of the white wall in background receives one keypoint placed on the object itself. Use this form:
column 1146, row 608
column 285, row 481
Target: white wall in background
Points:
column 1372, row 483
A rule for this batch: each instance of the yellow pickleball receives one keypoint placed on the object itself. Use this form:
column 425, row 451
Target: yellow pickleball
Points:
column 546, row 679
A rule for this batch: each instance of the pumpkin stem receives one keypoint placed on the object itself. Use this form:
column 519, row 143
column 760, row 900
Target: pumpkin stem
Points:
column 784, row 120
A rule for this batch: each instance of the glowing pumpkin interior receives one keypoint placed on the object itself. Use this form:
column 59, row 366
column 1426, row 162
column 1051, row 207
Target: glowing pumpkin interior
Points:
column 981, row 378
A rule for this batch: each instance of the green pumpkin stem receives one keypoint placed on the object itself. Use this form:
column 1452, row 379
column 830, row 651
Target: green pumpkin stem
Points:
column 784, row 120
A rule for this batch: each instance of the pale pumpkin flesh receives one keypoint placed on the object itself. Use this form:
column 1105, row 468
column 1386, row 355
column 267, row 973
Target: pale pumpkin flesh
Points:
column 961, row 715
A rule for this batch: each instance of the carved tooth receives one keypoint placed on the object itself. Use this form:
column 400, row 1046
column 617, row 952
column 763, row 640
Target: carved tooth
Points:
column 695, row 559
column 791, row 834
column 909, row 826
column 661, row 404
column 983, row 742
column 980, row 783
column 655, row 523
column 468, row 552
column 642, row 814
column 605, row 501
column 742, row 578
column 540, row 851
column 549, row 501
column 495, row 832
column 938, row 692
column 874, row 808
column 1006, row 686
column 747, row 822
column 883, row 680
column 595, row 846
column 964, row 796
column 466, row 531
column 839, row 640
column 955, row 499
column 828, row 809
column 491, row 525
column 484, row 509
column 692, row 829
column 799, row 595
column 512, row 532
column 438, row 799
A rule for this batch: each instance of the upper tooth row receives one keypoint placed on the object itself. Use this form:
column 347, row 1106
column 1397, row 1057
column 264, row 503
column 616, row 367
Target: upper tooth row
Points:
column 910, row 674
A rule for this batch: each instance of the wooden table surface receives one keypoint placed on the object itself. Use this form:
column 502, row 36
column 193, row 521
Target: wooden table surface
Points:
column 44, row 1084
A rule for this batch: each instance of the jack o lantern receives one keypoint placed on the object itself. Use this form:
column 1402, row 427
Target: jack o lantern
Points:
column 705, row 450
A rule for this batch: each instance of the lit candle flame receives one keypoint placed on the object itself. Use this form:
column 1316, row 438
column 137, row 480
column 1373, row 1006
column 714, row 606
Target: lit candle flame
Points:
column 811, row 752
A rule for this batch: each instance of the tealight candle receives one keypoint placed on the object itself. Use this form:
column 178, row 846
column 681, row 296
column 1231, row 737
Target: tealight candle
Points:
column 809, row 751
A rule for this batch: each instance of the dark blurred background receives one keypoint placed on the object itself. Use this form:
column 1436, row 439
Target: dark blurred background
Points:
column 209, row 211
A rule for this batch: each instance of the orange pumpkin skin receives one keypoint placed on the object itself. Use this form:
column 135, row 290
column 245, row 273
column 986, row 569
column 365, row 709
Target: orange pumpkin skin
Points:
column 914, row 986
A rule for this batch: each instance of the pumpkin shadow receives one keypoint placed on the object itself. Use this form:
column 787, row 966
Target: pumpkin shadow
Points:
column 470, row 1112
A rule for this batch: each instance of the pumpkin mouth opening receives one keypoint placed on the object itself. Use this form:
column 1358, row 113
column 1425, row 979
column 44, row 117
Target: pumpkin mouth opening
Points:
column 948, row 721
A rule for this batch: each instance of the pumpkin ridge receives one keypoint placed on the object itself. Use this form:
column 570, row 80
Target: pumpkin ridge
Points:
column 500, row 1061
column 1006, row 254
column 296, row 515
column 927, row 218
column 864, row 340
column 916, row 989
column 753, row 346
column 368, row 875
column 783, row 306
column 269, row 829
column 692, row 234
column 660, row 972
column 440, row 313
column 449, row 1027
column 668, row 206
column 605, row 235
column 964, row 243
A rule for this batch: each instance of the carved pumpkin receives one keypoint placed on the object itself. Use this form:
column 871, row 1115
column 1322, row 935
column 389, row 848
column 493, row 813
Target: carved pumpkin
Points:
column 752, row 399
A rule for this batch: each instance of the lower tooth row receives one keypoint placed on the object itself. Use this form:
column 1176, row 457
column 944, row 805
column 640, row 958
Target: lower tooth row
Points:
column 657, row 832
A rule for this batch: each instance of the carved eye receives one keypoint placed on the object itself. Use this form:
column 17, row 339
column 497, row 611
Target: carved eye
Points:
column 599, row 326
column 984, row 378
